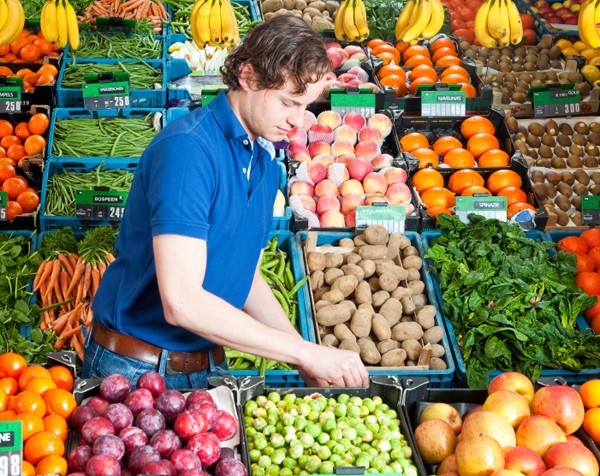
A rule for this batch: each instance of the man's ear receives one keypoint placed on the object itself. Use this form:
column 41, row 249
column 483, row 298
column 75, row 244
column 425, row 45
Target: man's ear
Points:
column 246, row 76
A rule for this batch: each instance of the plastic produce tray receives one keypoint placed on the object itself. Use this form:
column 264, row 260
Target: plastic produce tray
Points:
column 440, row 378
column 107, row 54
column 43, row 94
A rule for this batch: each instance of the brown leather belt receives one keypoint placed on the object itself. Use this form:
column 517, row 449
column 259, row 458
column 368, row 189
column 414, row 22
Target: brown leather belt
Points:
column 134, row 348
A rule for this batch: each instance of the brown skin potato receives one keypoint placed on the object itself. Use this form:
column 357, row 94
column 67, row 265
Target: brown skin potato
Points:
column 417, row 286
column 437, row 350
column 387, row 345
column 412, row 348
column 413, row 274
column 402, row 292
column 334, row 260
column 376, row 235
column 380, row 327
column 368, row 307
column 367, row 266
column 332, row 274
column 350, row 344
column 410, row 251
column 368, row 351
column 330, row 340
column 319, row 292
column 315, row 261
column 420, row 300
column 391, row 310
column 352, row 258
column 374, row 284
column 435, row 363
column 360, row 324
column 388, row 282
column 342, row 332
column 350, row 305
column 404, row 242
column 412, row 262
column 433, row 335
column 379, row 297
column 426, row 316
column 362, row 293
column 372, row 251
column 334, row 314
column 316, row 280
column 346, row 284
column 354, row 270
column 333, row 296
column 408, row 305
column 393, row 358
column 346, row 243
column 359, row 240
column 406, row 331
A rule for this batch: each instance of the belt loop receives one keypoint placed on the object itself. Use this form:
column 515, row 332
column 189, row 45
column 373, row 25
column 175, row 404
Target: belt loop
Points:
column 162, row 362
column 211, row 361
column 88, row 335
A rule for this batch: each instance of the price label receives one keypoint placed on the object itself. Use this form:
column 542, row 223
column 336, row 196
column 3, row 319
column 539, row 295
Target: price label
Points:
column 100, row 205
column 443, row 103
column 488, row 207
column 590, row 210
column 556, row 103
column 10, row 99
column 106, row 95
column 393, row 218
column 3, row 204
column 115, row 25
column 11, row 448
column 361, row 101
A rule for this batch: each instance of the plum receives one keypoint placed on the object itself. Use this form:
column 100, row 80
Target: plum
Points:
column 190, row 423
column 80, row 415
column 200, row 395
column 95, row 428
column 230, row 467
column 170, row 403
column 150, row 420
column 133, row 437
column 119, row 415
column 225, row 426
column 115, row 387
column 126, row 472
column 78, row 458
column 138, row 400
column 165, row 441
column 78, row 473
column 141, row 456
column 152, row 381
column 163, row 467
column 98, row 403
column 208, row 409
column 103, row 465
column 206, row 446
column 110, row 445
column 194, row 472
column 183, row 459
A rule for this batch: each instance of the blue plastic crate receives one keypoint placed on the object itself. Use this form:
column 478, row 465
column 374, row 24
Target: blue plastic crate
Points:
column 284, row 222
column 152, row 98
column 60, row 114
column 68, row 54
column 437, row 378
column 461, row 370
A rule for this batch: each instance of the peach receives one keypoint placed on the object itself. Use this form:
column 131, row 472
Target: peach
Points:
column 374, row 183
column 398, row 193
column 367, row 149
column 325, row 159
column 353, row 49
column 355, row 120
column 308, row 203
column 381, row 122
column 370, row 133
column 326, row 187
column 320, row 133
column 342, row 147
column 332, row 44
column 350, row 202
column 327, row 202
column 301, row 156
column 335, row 57
column 359, row 167
column 350, row 219
column 309, row 120
column 395, row 175
column 338, row 173
column 353, row 83
column 381, row 161
column 346, row 78
column 329, row 118
column 332, row 219
column 375, row 198
column 360, row 73
column 344, row 132
column 369, row 85
column 319, row 147
column 345, row 159
column 351, row 186
column 299, row 187
column 297, row 134
column 296, row 146
column 316, row 171
column 358, row 56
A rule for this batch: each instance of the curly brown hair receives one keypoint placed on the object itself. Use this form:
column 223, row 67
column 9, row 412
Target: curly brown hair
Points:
column 278, row 48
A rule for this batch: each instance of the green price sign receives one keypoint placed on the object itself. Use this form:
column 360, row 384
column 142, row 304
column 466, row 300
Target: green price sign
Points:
column 106, row 91
column 11, row 448
column 3, row 204
column 488, row 207
column 556, row 103
column 590, row 210
column 443, row 103
column 100, row 204
column 393, row 218
column 361, row 101
column 10, row 99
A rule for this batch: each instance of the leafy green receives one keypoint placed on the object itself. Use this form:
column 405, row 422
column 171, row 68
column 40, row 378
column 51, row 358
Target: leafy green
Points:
column 382, row 16
column 62, row 240
column 512, row 305
column 101, row 237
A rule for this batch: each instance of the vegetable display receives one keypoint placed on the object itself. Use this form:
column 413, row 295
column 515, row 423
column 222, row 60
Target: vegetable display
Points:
column 512, row 304
column 119, row 46
column 141, row 74
column 152, row 11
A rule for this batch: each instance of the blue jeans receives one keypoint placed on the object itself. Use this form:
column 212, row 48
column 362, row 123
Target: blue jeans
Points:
column 99, row 362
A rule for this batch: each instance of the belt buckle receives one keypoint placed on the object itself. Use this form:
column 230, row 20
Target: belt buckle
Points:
column 168, row 369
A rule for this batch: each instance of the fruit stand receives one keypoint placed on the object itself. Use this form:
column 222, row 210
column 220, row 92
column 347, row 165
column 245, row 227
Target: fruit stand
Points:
column 437, row 214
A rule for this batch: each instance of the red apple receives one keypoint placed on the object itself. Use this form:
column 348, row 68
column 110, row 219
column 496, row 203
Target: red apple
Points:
column 479, row 456
column 491, row 424
column 442, row 411
column 506, row 472
column 572, row 455
column 448, row 465
column 511, row 405
column 525, row 460
column 561, row 471
column 539, row 433
column 435, row 440
column 562, row 404
column 515, row 381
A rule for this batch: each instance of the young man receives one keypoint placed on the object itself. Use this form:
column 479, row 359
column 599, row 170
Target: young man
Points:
column 186, row 280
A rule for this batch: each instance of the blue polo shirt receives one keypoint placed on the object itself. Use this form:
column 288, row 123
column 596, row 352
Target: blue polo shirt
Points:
column 203, row 178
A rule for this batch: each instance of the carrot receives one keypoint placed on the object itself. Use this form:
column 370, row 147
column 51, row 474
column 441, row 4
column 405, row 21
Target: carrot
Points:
column 56, row 289
column 46, row 272
column 67, row 318
column 95, row 281
column 77, row 274
column 79, row 295
column 66, row 334
column 66, row 263
column 101, row 268
column 73, row 257
column 163, row 12
column 53, row 278
column 78, row 348
column 87, row 279
column 38, row 275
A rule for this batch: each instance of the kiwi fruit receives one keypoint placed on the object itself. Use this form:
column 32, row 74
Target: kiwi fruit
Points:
column 562, row 218
column 582, row 177
column 550, row 190
column 517, row 67
column 563, row 203
column 558, row 163
column 560, row 151
column 545, row 151
column 550, row 208
column 563, row 140
column 532, row 154
column 540, row 190
column 505, row 99
column 595, row 190
column 567, row 177
column 564, row 189
column 542, row 63
column 522, row 147
column 579, row 139
column 548, row 140
column 580, row 189
column 551, row 176
column 582, row 128
column 577, row 150
column 591, row 162
column 575, row 77
column 537, row 82
column 593, row 137
column 592, row 150
column 533, row 141
column 530, row 66
column 551, row 127
column 520, row 136
column 551, row 76
column 595, row 176
column 574, row 162
column 537, row 176
column 512, row 124
column 556, row 64
column 523, row 130
column 519, row 97
column 565, row 128
column 576, row 217
column 554, row 52
column 576, row 202
column 510, row 78
column 584, row 89
column 546, row 163
column 595, row 127
column 504, row 66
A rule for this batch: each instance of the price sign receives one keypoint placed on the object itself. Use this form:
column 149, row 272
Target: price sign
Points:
column 393, row 218
column 3, row 204
column 488, row 207
column 115, row 25
column 106, row 91
column 443, row 103
column 556, row 103
column 590, row 210
column 100, row 204
column 11, row 448
column 357, row 100
column 10, row 99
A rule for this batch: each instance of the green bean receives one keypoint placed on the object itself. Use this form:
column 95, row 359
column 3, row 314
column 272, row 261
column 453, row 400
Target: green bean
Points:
column 118, row 46
column 141, row 74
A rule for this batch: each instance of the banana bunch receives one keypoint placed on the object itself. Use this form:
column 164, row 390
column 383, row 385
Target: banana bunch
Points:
column 351, row 21
column 12, row 20
column 58, row 21
column 589, row 18
column 213, row 23
column 419, row 20
column 498, row 24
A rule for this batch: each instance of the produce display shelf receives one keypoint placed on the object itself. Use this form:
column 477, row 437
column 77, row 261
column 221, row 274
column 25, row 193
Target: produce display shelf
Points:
column 68, row 53
column 150, row 98
column 439, row 378
column 461, row 370
column 540, row 26
column 44, row 94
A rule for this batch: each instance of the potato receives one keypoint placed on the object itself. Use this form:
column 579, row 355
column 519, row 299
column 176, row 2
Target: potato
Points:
column 329, row 340
column 404, row 242
column 360, row 324
column 355, row 270
column 437, row 350
column 322, row 303
column 393, row 358
column 332, row 274
column 289, row 4
column 408, row 306
column 403, row 330
column 401, row 292
column 318, row 5
column 352, row 258
column 367, row 266
column 412, row 262
column 300, row 5
column 380, row 327
column 410, row 251
column 372, row 251
column 376, row 235
column 271, row 5
column 346, row 284
column 334, row 260
column 426, row 316
column 350, row 305
column 420, row 300
column 362, row 293
column 267, row 16
column 312, row 12
column 433, row 335
column 331, row 6
column 368, row 351
column 417, row 286
column 412, row 348
column 319, row 292
column 333, row 296
column 379, row 297
column 435, row 363
column 387, row 345
column 334, row 314
column 359, row 240
column 393, row 245
column 391, row 310
column 342, row 332
column 385, row 266
column 346, row 242
column 350, row 344
column 413, row 274
column 368, row 307
column 315, row 261
column 388, row 282
column 406, row 319
column 374, row 284
column 316, row 280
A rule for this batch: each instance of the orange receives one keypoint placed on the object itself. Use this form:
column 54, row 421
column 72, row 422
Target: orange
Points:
column 8, row 415
column 503, row 178
column 41, row 385
column 469, row 90
column 572, row 244
column 595, row 309
column 449, row 60
column 3, row 400
column 60, row 401
column 459, row 158
column 591, row 237
column 590, row 393
column 16, row 152
column 27, row 469
column 480, row 143
column 9, row 385
column 31, row 372
column 12, row 364
column 594, row 253
column 438, row 197
column 470, row 191
column 494, row 158
column 517, row 207
column 6, row 128
column 21, row 73
column 475, row 124
column 35, row 144
column 446, row 51
column 48, row 69
column 589, row 281
column 415, row 83
column 456, row 70
column 13, row 209
column 9, row 140
column 42, row 444
column 5, row 70
column 436, row 211
column 513, row 195
column 443, row 42
column 52, row 464
column 396, row 82
column 31, row 424
column 45, row 78
column 444, row 144
column 391, row 69
column 56, row 424
column 14, row 186
column 412, row 141
column 22, row 130
column 463, row 179
column 28, row 200
column 426, row 156
column 30, row 53
column 38, row 123
column 453, row 79
column 387, row 48
column 375, row 42
column 415, row 50
column 423, row 70
column 416, row 60
column 29, row 401
column 62, row 376
column 427, row 178
column 44, row 46
column 387, row 58
column 591, row 424
column 595, row 324
column 402, row 47
column 585, row 263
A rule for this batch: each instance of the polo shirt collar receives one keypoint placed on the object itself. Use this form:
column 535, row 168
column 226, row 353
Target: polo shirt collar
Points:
column 227, row 120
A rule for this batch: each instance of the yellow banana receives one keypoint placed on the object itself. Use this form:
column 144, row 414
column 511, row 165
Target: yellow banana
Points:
column 201, row 33
column 423, row 18
column 404, row 17
column 437, row 20
column 586, row 23
column 235, row 30
column 48, row 21
column 61, row 21
column 350, row 28
column 480, row 26
column 194, row 13
column 14, row 22
column 3, row 14
column 497, row 21
column 338, row 23
column 214, row 24
column 412, row 19
column 226, row 25
column 72, row 26
column 360, row 19
column 597, row 16
column 514, row 20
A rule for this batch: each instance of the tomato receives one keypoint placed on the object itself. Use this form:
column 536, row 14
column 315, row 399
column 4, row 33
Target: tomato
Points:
column 465, row 33
column 457, row 24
